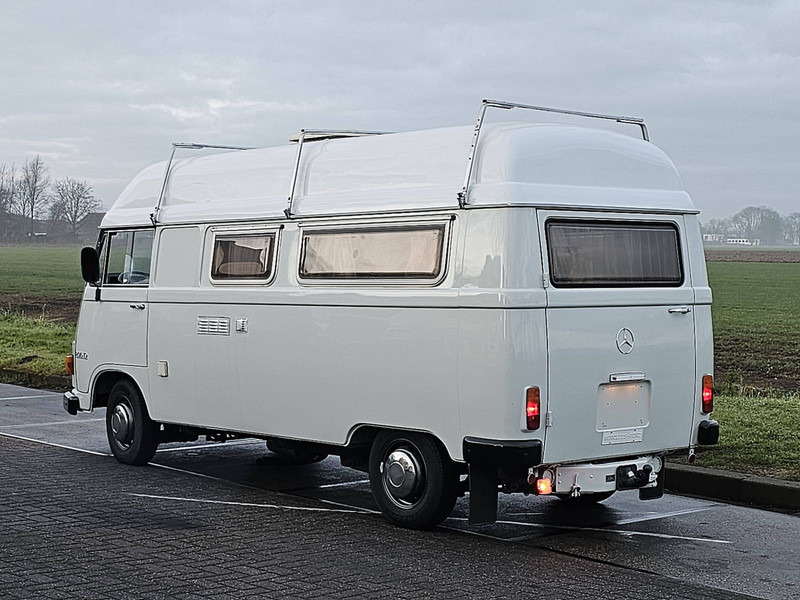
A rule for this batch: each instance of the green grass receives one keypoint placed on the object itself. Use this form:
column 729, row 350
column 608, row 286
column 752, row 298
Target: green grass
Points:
column 47, row 271
column 758, row 435
column 756, row 315
column 34, row 346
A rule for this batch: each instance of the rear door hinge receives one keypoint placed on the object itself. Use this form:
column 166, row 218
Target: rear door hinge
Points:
column 548, row 419
column 545, row 280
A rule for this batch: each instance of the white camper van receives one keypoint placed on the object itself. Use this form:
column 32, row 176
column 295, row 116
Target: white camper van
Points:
column 500, row 308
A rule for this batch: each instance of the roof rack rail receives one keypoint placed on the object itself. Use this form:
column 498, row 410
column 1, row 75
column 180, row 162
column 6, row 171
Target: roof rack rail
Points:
column 315, row 135
column 462, row 195
column 191, row 146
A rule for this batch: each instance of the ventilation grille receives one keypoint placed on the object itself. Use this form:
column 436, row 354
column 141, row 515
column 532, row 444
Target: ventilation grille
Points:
column 213, row 325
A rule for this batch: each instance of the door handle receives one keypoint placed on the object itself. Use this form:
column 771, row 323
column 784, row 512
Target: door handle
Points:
column 679, row 310
column 137, row 306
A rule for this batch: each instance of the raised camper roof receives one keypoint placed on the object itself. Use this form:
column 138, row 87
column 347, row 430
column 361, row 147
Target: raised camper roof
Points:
column 514, row 164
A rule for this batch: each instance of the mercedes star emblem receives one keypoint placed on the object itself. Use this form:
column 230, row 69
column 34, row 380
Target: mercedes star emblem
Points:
column 625, row 340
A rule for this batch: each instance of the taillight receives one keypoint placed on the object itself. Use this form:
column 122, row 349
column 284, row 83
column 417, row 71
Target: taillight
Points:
column 708, row 393
column 532, row 409
column 544, row 487
column 70, row 366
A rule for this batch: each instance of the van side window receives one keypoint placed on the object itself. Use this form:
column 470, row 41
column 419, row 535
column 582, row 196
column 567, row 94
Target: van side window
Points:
column 242, row 256
column 613, row 254
column 129, row 255
column 387, row 253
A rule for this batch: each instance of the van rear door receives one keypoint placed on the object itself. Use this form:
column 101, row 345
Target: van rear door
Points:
column 620, row 325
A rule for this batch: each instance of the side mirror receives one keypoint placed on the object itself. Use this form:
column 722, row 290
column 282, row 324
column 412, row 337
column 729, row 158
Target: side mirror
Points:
column 90, row 265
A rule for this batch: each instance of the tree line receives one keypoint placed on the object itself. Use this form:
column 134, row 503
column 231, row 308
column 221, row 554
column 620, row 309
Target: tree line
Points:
column 28, row 192
column 758, row 223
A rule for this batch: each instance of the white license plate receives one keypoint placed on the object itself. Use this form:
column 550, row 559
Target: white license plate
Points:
column 626, row 436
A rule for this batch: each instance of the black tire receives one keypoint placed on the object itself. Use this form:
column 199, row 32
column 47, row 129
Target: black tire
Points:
column 426, row 493
column 585, row 499
column 132, row 435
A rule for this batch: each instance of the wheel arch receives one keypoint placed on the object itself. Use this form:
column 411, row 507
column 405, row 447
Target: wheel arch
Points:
column 105, row 381
column 362, row 436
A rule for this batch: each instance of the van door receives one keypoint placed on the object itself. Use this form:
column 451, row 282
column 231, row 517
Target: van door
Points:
column 620, row 327
column 113, row 328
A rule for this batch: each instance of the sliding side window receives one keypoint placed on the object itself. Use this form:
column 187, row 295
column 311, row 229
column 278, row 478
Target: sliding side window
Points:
column 243, row 257
column 613, row 254
column 374, row 253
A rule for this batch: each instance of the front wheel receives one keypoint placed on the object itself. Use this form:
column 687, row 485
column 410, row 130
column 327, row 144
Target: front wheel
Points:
column 132, row 435
column 414, row 482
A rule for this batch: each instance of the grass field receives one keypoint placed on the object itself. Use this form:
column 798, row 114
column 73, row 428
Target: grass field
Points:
column 41, row 281
column 758, row 435
column 34, row 346
column 756, row 324
column 756, row 315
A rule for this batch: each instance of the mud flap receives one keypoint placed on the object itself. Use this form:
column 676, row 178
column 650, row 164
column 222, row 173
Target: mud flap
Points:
column 653, row 493
column 482, row 493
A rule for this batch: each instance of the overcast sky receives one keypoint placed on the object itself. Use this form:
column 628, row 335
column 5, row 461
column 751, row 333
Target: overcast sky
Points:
column 100, row 89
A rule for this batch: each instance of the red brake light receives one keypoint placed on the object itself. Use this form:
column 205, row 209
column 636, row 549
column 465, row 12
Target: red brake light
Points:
column 532, row 411
column 708, row 393
column 70, row 364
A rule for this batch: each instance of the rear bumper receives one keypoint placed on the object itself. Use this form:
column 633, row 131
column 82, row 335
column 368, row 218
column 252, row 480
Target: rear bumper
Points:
column 624, row 474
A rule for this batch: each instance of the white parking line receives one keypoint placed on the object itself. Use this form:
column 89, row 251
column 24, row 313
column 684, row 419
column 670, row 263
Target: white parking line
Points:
column 253, row 505
column 50, row 423
column 251, row 487
column 343, row 484
column 27, row 439
column 622, row 532
column 28, row 397
column 656, row 516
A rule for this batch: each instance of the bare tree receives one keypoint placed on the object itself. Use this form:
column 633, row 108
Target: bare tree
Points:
column 759, row 222
column 32, row 196
column 8, row 194
column 8, row 187
column 73, row 200
column 718, row 226
column 791, row 225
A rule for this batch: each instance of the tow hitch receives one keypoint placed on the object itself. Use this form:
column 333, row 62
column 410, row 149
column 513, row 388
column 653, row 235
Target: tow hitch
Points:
column 629, row 477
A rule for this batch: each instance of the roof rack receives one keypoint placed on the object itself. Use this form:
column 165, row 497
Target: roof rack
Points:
column 191, row 146
column 462, row 195
column 315, row 135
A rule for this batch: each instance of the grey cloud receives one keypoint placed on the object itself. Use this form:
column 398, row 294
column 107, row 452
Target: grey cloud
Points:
column 117, row 81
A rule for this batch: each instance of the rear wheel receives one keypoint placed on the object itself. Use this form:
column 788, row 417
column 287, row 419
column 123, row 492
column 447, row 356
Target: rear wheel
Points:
column 132, row 435
column 414, row 482
column 585, row 499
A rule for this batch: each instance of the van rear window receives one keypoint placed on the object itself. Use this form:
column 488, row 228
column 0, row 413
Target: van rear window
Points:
column 613, row 254
column 389, row 253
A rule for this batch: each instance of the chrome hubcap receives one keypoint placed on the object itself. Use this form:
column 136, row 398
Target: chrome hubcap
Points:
column 122, row 424
column 402, row 477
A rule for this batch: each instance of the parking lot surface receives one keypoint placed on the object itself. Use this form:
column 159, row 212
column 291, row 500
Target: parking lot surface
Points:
column 206, row 519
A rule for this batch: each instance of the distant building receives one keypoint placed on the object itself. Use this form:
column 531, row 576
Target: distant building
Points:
column 89, row 227
column 743, row 242
column 713, row 238
column 16, row 229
